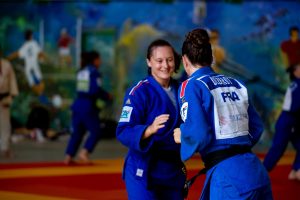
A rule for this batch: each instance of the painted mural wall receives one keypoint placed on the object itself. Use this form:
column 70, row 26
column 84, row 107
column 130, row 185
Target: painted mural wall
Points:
column 250, row 32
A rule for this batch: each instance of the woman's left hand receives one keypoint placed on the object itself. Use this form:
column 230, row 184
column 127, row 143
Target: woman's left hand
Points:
column 177, row 135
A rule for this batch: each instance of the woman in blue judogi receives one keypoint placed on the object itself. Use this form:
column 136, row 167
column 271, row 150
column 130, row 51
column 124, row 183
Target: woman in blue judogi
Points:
column 287, row 127
column 85, row 115
column 153, row 168
column 221, row 125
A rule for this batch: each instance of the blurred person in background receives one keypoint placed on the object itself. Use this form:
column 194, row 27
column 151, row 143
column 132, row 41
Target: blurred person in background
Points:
column 220, row 123
column 85, row 114
column 153, row 169
column 288, row 126
column 290, row 49
column 30, row 51
column 64, row 50
column 218, row 51
column 8, row 90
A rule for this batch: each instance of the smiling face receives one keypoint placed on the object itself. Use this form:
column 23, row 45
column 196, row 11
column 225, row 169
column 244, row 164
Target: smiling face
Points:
column 162, row 64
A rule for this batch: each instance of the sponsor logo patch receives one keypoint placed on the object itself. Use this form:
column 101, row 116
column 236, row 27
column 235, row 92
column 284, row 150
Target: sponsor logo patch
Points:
column 139, row 172
column 83, row 81
column 128, row 101
column 183, row 111
column 126, row 113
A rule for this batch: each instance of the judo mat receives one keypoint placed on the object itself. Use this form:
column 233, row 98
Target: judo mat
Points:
column 103, row 180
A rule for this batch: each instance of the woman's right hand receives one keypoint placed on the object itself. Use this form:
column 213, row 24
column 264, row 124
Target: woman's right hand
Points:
column 158, row 123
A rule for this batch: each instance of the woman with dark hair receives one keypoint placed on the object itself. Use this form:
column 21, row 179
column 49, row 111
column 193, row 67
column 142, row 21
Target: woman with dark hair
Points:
column 85, row 116
column 153, row 169
column 288, row 126
column 221, row 125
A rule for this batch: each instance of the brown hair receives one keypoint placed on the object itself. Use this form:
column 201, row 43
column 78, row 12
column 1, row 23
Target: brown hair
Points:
column 197, row 48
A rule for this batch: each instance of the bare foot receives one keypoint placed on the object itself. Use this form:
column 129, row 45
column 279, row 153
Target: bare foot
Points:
column 7, row 154
column 68, row 160
column 298, row 175
column 83, row 156
column 292, row 175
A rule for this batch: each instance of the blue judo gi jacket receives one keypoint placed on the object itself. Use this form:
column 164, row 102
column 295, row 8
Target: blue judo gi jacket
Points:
column 89, row 90
column 142, row 103
column 287, row 128
column 217, row 115
column 289, row 118
column 85, row 111
column 291, row 102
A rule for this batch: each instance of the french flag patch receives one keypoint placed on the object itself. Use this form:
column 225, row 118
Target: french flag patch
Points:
column 183, row 86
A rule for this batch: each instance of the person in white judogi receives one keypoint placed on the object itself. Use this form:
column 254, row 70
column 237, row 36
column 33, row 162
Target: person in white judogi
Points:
column 8, row 90
column 30, row 51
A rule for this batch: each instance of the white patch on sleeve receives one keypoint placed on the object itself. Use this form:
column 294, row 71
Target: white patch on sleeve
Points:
column 126, row 113
column 139, row 172
column 183, row 111
column 83, row 81
column 287, row 104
